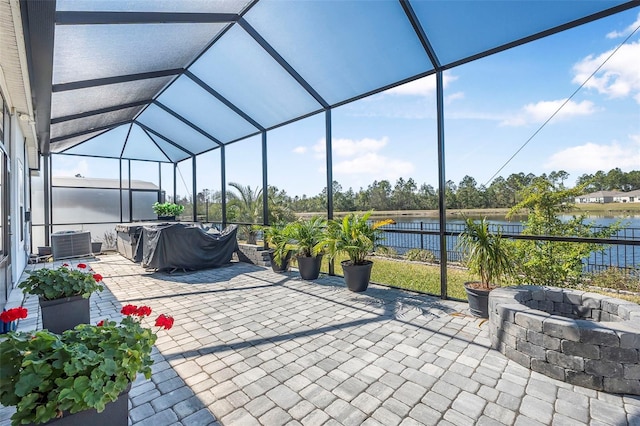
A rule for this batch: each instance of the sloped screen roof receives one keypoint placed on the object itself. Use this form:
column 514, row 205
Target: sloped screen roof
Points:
column 164, row 80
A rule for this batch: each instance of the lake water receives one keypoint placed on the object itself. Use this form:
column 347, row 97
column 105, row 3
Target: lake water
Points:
column 623, row 255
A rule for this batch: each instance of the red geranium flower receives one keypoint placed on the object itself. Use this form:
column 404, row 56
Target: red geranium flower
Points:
column 65, row 265
column 81, row 265
column 143, row 311
column 97, row 277
column 13, row 314
column 129, row 310
column 164, row 321
column 100, row 323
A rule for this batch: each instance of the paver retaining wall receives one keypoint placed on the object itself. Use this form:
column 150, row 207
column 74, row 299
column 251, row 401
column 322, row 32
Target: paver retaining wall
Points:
column 254, row 254
column 582, row 338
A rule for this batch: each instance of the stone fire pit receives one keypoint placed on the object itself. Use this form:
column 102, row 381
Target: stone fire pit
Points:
column 582, row 338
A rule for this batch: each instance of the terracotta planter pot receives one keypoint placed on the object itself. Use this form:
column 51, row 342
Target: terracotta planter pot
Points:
column 64, row 314
column 309, row 267
column 357, row 276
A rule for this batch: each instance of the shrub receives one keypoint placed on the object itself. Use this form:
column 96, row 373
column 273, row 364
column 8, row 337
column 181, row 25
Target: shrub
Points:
column 420, row 255
column 616, row 279
column 167, row 209
column 387, row 252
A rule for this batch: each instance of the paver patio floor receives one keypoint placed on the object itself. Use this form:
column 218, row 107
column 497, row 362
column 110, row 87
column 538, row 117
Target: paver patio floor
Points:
column 252, row 347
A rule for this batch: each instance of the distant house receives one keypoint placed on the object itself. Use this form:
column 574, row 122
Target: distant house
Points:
column 628, row 197
column 599, row 197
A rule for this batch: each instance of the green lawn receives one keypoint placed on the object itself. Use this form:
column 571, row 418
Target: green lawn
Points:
column 412, row 276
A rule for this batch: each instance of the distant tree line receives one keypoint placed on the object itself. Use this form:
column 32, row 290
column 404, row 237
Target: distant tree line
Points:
column 245, row 203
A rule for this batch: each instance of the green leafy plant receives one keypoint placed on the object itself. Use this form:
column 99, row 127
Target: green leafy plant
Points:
column 44, row 374
column 486, row 253
column 278, row 239
column 354, row 236
column 167, row 209
column 616, row 279
column 556, row 263
column 387, row 252
column 65, row 281
column 307, row 234
column 420, row 255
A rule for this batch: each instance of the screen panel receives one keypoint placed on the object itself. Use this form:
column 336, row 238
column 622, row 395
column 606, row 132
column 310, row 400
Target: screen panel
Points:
column 219, row 6
column 175, row 130
column 459, row 29
column 71, row 102
column 86, row 52
column 71, row 127
column 204, row 110
column 343, row 48
column 253, row 81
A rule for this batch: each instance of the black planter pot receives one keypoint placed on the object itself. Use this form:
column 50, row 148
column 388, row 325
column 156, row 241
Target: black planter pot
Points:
column 115, row 413
column 64, row 314
column 357, row 276
column 283, row 266
column 478, row 301
column 6, row 327
column 44, row 251
column 309, row 267
column 167, row 218
column 96, row 247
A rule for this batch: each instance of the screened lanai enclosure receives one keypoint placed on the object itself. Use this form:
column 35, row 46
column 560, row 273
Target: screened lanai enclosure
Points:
column 155, row 100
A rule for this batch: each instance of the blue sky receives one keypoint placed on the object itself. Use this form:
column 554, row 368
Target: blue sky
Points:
column 492, row 107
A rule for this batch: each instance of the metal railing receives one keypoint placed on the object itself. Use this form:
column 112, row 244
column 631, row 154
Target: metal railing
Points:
column 621, row 251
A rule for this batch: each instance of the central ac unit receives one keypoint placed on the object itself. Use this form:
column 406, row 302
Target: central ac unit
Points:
column 66, row 244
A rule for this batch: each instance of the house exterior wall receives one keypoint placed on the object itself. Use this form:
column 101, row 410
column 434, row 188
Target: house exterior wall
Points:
column 20, row 203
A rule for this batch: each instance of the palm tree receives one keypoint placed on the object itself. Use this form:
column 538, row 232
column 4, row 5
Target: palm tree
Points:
column 246, row 206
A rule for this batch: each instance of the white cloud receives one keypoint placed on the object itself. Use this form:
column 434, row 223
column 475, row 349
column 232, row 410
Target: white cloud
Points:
column 300, row 149
column 425, row 86
column 362, row 157
column 373, row 164
column 541, row 111
column 454, row 97
column 591, row 157
column 619, row 77
column 626, row 31
column 351, row 147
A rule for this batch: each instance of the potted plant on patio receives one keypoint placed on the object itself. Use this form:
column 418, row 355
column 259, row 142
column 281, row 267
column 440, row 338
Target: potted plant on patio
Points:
column 9, row 319
column 307, row 235
column 96, row 247
column 487, row 255
column 280, row 248
column 63, row 294
column 354, row 236
column 81, row 377
column 167, row 211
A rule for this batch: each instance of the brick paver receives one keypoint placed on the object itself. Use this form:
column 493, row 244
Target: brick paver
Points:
column 250, row 346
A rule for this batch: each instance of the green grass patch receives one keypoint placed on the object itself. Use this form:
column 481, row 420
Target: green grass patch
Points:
column 413, row 276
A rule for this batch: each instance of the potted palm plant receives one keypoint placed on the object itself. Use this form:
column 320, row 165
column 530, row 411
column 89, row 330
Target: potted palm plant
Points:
column 280, row 248
column 307, row 235
column 81, row 377
column 487, row 255
column 63, row 294
column 356, row 237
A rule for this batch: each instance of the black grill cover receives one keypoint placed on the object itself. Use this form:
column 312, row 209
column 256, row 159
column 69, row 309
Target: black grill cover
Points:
column 179, row 246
